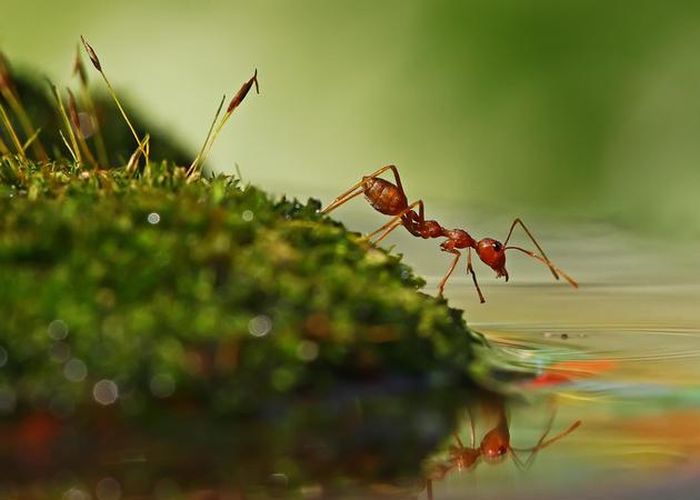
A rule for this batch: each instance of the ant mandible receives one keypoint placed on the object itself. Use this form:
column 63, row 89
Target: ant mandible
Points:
column 390, row 199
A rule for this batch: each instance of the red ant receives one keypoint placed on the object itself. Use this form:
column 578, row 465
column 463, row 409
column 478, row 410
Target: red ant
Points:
column 390, row 199
column 494, row 447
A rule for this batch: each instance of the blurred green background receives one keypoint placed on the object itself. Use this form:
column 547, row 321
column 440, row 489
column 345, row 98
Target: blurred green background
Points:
column 586, row 109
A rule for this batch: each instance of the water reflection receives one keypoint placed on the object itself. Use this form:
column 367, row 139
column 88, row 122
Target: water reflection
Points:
column 635, row 389
column 359, row 433
column 495, row 445
column 391, row 439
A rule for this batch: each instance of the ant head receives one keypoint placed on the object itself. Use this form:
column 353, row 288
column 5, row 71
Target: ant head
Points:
column 493, row 254
column 495, row 446
column 495, row 456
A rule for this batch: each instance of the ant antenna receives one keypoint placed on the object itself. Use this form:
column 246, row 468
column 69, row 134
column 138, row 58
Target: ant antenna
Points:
column 542, row 443
column 548, row 263
column 527, row 231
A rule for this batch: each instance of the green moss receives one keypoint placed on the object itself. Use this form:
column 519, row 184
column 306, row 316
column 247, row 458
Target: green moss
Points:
column 141, row 309
column 208, row 291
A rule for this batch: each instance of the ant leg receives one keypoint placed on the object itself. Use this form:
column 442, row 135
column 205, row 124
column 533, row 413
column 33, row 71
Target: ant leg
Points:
column 393, row 225
column 531, row 459
column 348, row 195
column 550, row 264
column 344, row 198
column 518, row 461
column 527, row 231
column 441, row 286
column 470, row 270
column 472, row 430
column 396, row 176
column 562, row 434
column 395, row 222
column 542, row 443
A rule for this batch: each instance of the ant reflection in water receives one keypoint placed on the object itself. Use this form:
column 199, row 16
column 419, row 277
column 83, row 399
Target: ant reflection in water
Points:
column 494, row 447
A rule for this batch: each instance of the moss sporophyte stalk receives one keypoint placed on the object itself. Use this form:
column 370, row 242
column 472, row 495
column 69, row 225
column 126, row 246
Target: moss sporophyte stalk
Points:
column 132, row 279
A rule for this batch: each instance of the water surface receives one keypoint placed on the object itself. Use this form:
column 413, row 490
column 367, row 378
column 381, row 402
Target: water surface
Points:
column 627, row 343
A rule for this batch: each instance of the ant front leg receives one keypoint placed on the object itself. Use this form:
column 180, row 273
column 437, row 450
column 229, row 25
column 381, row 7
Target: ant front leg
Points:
column 527, row 231
column 542, row 257
column 470, row 270
column 556, row 271
column 359, row 188
column 543, row 442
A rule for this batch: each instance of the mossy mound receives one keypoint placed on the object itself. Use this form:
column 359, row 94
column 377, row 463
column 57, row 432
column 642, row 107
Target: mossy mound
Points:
column 133, row 289
column 141, row 308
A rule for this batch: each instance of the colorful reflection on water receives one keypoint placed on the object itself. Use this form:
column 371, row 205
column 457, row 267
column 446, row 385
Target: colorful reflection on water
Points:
column 621, row 354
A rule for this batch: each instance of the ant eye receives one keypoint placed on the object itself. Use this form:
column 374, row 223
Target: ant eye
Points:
column 502, row 450
column 496, row 246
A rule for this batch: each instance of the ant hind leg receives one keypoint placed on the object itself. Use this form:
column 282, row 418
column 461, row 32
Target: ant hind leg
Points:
column 351, row 193
column 395, row 222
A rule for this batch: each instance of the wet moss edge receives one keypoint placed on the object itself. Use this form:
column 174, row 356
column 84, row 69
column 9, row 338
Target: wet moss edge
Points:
column 147, row 292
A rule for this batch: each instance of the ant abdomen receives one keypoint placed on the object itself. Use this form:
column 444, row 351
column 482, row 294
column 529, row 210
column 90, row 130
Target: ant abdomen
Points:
column 384, row 196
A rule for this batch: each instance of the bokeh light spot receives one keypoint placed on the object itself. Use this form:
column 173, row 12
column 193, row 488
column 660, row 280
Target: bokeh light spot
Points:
column 75, row 370
column 307, row 350
column 58, row 329
column 105, row 392
column 260, row 326
column 153, row 218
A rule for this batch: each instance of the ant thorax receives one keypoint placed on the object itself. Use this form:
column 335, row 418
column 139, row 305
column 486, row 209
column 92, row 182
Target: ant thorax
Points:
column 431, row 229
column 460, row 238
